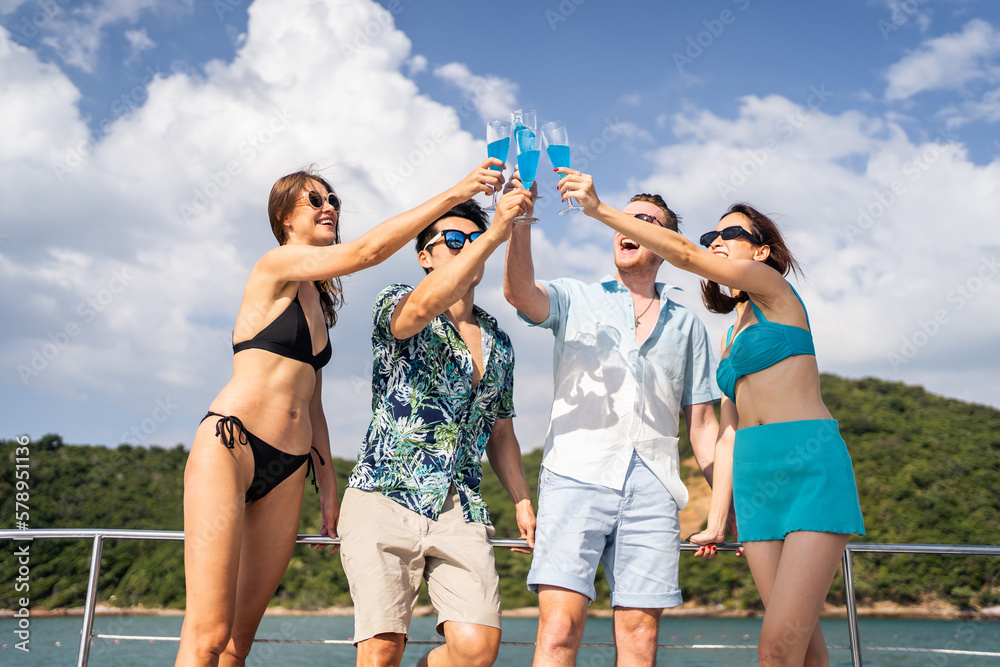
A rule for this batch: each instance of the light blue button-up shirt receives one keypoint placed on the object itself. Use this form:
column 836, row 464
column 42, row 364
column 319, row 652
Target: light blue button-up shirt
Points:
column 612, row 396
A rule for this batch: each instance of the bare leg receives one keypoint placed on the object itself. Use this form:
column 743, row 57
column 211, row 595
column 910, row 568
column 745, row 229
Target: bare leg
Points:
column 793, row 578
column 269, row 531
column 466, row 645
column 385, row 650
column 562, row 615
column 636, row 632
column 215, row 481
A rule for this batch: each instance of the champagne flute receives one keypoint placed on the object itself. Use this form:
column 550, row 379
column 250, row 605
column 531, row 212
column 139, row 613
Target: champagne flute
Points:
column 497, row 145
column 524, row 119
column 557, row 146
column 527, row 165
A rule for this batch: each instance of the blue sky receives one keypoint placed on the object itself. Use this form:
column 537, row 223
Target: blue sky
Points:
column 139, row 139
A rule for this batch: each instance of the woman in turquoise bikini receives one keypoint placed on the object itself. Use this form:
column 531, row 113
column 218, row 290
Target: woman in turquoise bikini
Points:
column 779, row 455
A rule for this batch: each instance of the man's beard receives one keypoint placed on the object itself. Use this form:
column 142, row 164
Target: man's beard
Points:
column 648, row 262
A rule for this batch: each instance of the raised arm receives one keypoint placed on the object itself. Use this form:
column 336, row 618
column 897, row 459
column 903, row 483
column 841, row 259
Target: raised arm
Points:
column 294, row 262
column 504, row 454
column 442, row 288
column 519, row 285
column 745, row 275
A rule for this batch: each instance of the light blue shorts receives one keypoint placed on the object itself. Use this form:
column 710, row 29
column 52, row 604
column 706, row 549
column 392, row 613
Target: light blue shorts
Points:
column 635, row 533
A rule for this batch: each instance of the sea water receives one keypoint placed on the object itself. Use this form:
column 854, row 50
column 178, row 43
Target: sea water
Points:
column 55, row 641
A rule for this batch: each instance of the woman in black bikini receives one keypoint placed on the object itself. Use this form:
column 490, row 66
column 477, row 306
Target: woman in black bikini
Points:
column 245, row 474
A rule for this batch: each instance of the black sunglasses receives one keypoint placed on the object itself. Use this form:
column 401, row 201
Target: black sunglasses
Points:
column 453, row 238
column 646, row 218
column 728, row 234
column 316, row 200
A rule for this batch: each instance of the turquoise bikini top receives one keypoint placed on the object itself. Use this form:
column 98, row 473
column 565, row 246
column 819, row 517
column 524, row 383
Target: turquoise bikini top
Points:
column 761, row 346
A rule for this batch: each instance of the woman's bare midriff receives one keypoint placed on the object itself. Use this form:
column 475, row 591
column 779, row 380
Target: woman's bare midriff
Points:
column 787, row 391
column 271, row 395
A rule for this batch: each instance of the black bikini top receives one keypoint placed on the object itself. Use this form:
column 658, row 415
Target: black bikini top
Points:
column 288, row 336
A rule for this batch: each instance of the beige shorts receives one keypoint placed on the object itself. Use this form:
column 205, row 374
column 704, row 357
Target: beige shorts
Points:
column 386, row 549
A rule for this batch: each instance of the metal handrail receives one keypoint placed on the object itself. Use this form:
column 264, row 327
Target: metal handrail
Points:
column 98, row 535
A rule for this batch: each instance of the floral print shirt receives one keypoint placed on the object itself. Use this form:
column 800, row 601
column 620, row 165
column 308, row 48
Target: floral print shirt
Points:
column 429, row 425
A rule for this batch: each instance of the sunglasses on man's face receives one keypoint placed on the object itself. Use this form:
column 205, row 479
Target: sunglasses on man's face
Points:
column 645, row 217
column 316, row 200
column 728, row 234
column 453, row 238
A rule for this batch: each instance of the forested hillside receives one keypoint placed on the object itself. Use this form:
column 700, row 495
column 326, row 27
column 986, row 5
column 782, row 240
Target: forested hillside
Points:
column 928, row 471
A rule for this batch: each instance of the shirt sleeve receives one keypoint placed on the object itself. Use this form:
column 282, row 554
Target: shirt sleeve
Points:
column 385, row 305
column 506, row 410
column 700, row 385
column 558, row 305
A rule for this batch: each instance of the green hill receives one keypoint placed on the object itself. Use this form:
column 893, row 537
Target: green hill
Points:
column 928, row 471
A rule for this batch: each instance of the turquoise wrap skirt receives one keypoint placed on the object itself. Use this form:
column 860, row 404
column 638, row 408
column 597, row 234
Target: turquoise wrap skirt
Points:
column 794, row 476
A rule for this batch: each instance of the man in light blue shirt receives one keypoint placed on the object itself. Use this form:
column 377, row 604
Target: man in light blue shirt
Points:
column 627, row 361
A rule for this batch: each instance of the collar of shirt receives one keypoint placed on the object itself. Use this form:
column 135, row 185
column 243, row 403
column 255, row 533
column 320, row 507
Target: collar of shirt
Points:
column 612, row 284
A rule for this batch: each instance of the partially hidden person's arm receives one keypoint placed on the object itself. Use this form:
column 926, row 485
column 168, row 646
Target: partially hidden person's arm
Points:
column 504, row 453
column 703, row 432
column 326, row 476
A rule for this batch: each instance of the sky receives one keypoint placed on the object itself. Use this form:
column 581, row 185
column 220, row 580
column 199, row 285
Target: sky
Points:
column 139, row 140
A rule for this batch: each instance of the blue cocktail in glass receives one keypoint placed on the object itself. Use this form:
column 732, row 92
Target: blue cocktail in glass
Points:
column 557, row 146
column 527, row 164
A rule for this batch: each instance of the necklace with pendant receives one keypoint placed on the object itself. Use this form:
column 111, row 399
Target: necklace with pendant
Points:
column 645, row 310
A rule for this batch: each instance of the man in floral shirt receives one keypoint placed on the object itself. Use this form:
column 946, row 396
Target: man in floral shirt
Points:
column 442, row 395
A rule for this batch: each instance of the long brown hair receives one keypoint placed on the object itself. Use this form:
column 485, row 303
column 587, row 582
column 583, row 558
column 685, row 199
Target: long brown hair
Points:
column 780, row 258
column 284, row 196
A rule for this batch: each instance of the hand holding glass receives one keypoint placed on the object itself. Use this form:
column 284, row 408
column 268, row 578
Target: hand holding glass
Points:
column 527, row 165
column 497, row 145
column 557, row 146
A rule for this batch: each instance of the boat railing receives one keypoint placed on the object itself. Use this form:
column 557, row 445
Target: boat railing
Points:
column 98, row 535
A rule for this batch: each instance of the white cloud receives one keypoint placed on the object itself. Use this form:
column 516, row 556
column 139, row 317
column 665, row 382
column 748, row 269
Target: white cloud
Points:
column 632, row 131
column 10, row 6
column 948, row 62
column 988, row 108
column 492, row 97
column 39, row 110
column 417, row 65
column 76, row 32
column 139, row 41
